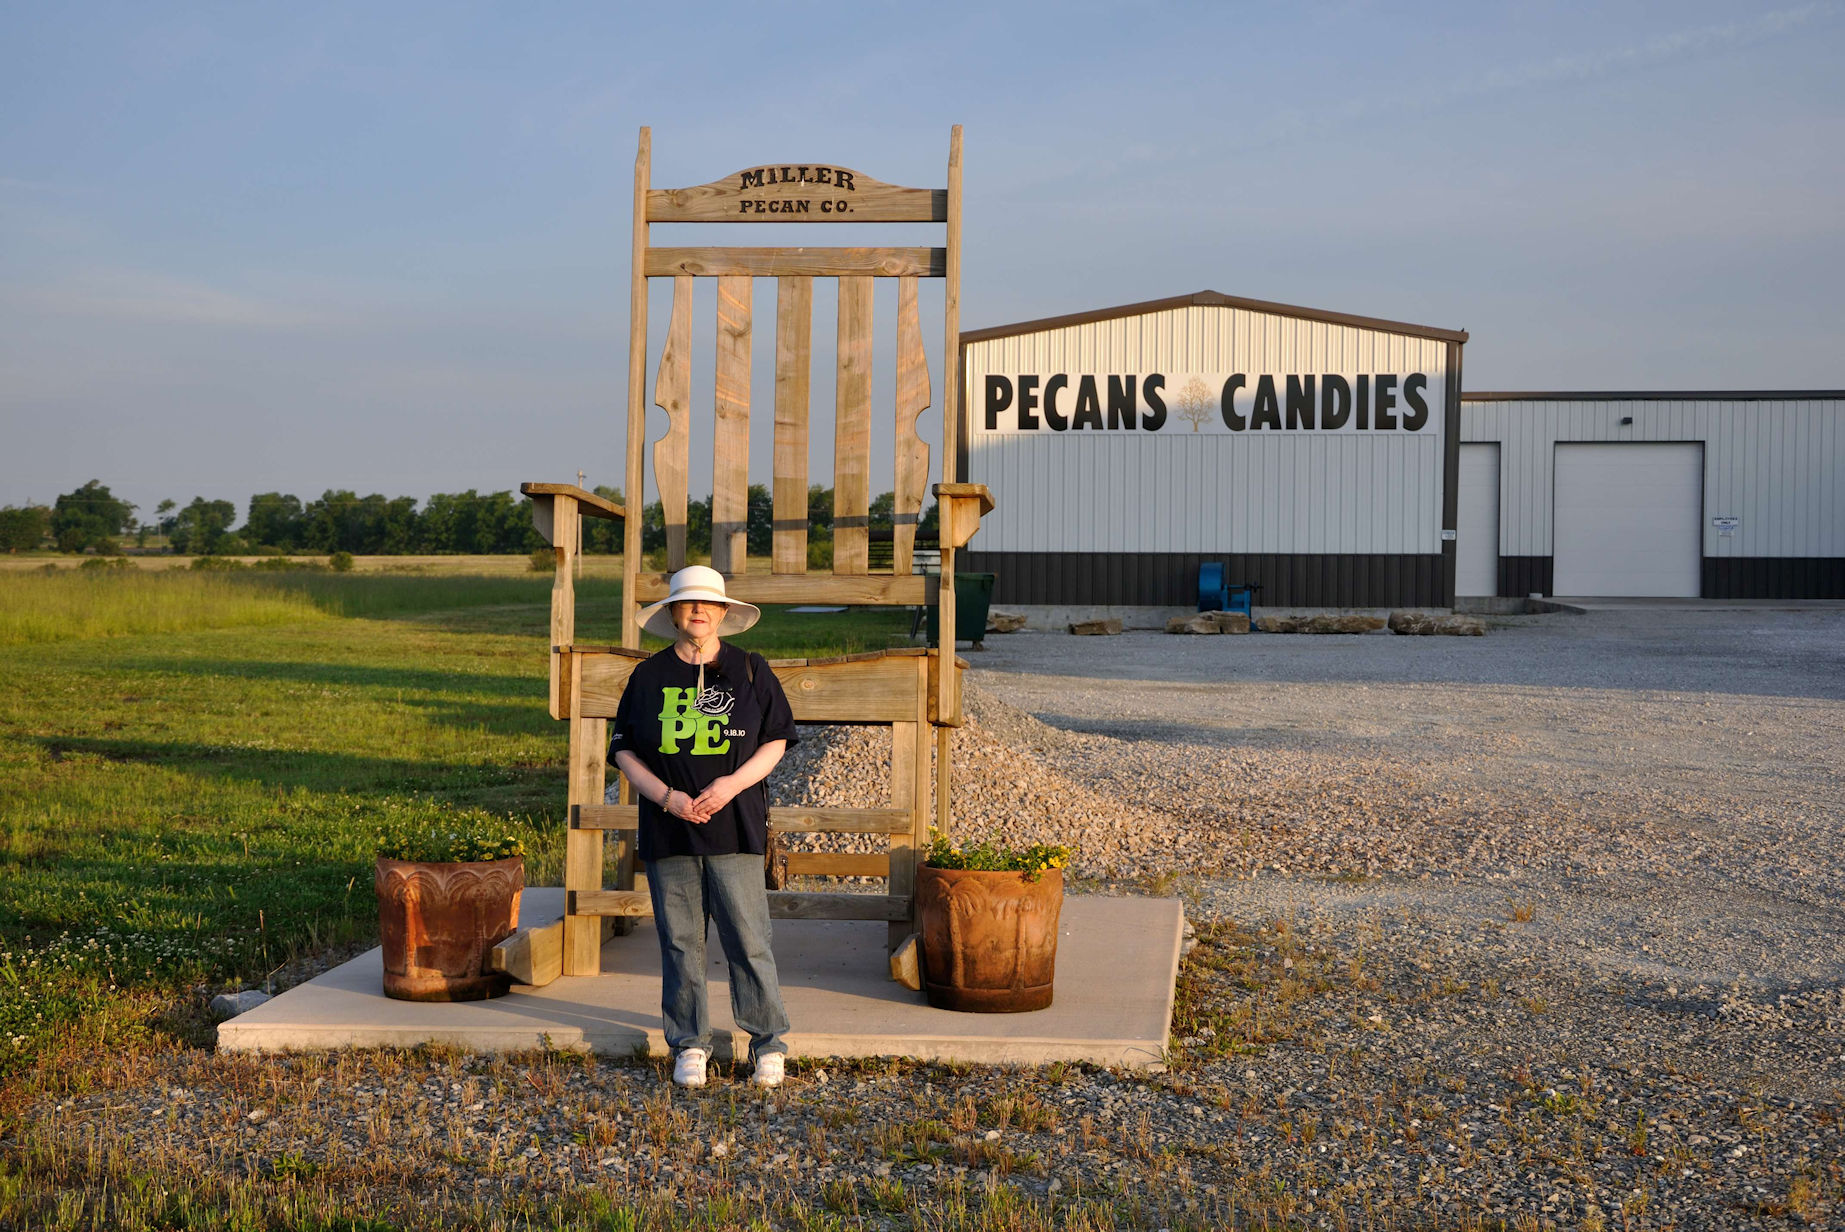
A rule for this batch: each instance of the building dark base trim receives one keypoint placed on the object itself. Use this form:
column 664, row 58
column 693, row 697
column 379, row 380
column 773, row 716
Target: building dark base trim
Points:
column 1520, row 576
column 1170, row 579
column 1773, row 577
column 1722, row 577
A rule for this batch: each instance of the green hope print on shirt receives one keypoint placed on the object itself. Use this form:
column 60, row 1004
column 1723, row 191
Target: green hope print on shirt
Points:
column 680, row 720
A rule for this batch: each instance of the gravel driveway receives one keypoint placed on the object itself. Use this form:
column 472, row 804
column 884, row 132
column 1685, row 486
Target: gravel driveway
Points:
column 1664, row 787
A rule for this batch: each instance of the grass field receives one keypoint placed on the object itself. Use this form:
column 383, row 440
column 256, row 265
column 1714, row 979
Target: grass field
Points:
column 193, row 767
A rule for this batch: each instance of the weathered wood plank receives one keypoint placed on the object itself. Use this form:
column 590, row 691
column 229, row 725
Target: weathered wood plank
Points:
column 951, row 315
column 797, row 262
column 944, row 816
column 583, row 848
column 794, row 343
column 963, row 505
column 788, row 905
column 542, row 518
column 871, row 691
column 590, row 504
column 864, row 590
column 946, row 702
column 906, row 963
column 852, row 430
column 625, row 818
column 900, row 861
column 912, row 471
column 951, row 717
column 835, row 821
column 566, row 532
column 672, row 393
column 532, row 956
column 839, row 864
column 797, row 193
column 595, row 903
column 637, row 388
column 783, row 905
column 730, row 465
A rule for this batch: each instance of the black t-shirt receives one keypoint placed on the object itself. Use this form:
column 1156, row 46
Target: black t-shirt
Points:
column 690, row 740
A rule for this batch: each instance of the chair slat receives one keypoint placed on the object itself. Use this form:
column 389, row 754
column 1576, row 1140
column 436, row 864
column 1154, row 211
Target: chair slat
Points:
column 673, row 394
column 852, row 430
column 912, row 400
column 730, row 471
column 794, row 344
column 798, row 262
column 620, row 817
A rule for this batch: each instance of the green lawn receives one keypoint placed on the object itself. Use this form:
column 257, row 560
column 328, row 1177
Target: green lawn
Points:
column 191, row 807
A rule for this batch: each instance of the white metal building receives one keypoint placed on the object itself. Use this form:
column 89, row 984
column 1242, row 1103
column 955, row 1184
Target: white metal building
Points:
column 1716, row 494
column 1311, row 452
column 1334, row 460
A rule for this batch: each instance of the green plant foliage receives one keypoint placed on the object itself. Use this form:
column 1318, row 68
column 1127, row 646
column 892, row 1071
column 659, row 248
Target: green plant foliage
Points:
column 985, row 856
column 465, row 839
column 203, row 527
column 23, row 529
column 340, row 562
column 89, row 517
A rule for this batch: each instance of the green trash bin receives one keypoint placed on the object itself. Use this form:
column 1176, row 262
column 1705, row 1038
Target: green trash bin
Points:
column 973, row 596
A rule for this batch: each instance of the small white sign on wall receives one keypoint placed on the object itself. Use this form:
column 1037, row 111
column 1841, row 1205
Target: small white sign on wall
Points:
column 1726, row 527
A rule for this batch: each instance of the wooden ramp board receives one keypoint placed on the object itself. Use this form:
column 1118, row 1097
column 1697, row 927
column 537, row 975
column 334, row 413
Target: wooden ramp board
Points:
column 1117, row 960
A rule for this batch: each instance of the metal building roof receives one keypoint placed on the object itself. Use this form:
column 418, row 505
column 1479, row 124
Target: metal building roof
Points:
column 1212, row 299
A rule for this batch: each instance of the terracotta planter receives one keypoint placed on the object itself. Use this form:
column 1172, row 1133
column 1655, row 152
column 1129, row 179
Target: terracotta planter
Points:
column 989, row 940
column 438, row 922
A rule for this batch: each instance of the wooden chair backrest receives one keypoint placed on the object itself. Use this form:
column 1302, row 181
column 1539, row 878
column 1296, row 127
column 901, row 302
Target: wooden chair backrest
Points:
column 793, row 194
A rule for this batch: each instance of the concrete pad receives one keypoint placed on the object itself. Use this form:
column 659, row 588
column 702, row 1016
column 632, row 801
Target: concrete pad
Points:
column 1117, row 960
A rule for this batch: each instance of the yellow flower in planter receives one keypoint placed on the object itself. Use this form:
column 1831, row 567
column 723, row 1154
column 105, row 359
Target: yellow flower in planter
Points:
column 984, row 856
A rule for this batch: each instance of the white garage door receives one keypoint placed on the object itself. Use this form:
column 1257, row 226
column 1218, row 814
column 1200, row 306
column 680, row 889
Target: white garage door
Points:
column 1476, row 557
column 1627, row 519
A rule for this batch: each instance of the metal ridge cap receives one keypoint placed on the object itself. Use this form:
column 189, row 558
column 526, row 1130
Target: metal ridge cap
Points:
column 1210, row 299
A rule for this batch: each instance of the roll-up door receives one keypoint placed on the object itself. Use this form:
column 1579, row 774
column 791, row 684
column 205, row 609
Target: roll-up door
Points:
column 1476, row 558
column 1626, row 520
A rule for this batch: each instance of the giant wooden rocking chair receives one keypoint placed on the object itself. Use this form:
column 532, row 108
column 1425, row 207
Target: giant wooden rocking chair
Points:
column 910, row 691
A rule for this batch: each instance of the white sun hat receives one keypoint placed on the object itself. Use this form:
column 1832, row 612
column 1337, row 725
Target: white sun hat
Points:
column 698, row 582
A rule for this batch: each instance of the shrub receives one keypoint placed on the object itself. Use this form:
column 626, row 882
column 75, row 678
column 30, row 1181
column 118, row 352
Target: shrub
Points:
column 105, row 562
column 984, row 856
column 819, row 551
column 544, row 560
column 465, row 840
column 340, row 562
column 217, row 564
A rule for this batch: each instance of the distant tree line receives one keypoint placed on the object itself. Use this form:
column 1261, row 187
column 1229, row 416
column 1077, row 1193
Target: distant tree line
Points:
column 92, row 519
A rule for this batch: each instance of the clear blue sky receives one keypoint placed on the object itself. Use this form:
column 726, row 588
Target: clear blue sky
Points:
column 385, row 247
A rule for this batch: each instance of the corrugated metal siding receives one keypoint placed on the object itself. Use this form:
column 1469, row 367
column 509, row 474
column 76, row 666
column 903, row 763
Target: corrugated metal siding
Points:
column 1778, row 466
column 1180, row 491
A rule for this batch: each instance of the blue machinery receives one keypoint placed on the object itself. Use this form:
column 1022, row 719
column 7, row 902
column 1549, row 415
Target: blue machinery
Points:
column 1215, row 595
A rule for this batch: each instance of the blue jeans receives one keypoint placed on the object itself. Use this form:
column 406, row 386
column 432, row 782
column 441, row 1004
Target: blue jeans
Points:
column 686, row 890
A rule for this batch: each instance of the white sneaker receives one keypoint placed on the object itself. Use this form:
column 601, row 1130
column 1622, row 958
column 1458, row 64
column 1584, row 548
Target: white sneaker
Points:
column 769, row 1070
column 689, row 1067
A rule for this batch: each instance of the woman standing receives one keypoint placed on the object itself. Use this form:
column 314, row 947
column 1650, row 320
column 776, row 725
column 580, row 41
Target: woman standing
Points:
column 699, row 727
